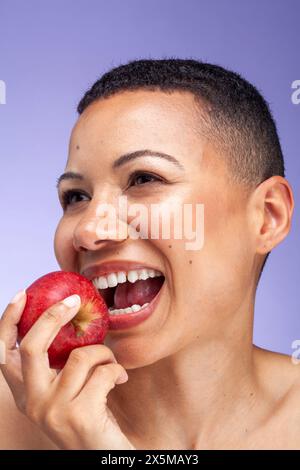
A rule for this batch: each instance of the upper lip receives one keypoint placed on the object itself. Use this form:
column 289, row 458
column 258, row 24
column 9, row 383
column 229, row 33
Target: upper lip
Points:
column 103, row 269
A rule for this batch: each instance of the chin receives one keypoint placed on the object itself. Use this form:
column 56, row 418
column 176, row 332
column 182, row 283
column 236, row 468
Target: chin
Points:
column 132, row 352
column 138, row 351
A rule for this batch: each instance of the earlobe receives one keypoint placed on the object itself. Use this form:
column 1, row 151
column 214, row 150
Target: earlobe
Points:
column 277, row 204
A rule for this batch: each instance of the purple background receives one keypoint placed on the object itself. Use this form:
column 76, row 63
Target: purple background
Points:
column 51, row 52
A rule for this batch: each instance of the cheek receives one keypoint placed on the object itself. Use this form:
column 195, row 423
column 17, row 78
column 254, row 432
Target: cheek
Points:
column 63, row 246
column 219, row 277
column 225, row 263
column 185, row 268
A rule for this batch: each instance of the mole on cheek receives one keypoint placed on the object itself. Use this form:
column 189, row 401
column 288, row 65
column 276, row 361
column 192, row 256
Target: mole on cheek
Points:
column 170, row 246
column 77, row 147
column 190, row 261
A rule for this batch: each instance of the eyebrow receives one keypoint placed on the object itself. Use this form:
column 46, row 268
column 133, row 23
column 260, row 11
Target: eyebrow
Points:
column 69, row 175
column 122, row 160
column 145, row 153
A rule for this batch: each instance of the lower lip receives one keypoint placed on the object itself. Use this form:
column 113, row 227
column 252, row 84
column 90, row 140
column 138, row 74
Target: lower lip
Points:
column 128, row 320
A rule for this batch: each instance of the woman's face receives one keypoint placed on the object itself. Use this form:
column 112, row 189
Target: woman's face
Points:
column 204, row 290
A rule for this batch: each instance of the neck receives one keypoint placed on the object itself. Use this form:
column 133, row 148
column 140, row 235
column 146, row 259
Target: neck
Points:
column 193, row 393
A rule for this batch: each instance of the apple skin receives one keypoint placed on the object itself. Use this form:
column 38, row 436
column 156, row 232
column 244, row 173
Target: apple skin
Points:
column 90, row 324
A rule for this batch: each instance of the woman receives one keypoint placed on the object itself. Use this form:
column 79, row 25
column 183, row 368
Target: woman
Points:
column 180, row 372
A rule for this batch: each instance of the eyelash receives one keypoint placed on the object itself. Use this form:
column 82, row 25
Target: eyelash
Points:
column 69, row 193
column 152, row 175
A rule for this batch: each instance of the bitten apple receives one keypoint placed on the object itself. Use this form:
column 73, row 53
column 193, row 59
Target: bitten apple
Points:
column 88, row 326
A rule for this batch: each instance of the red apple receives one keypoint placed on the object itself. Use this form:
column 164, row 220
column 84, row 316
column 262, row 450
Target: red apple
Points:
column 90, row 324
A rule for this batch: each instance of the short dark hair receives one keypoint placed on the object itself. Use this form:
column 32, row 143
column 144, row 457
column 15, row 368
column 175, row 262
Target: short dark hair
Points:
column 233, row 112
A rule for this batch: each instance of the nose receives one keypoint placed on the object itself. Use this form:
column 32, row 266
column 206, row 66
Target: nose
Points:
column 100, row 225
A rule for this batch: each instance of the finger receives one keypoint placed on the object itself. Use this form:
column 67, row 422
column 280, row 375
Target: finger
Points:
column 13, row 376
column 102, row 381
column 33, row 347
column 79, row 367
column 10, row 363
column 11, row 370
column 10, row 319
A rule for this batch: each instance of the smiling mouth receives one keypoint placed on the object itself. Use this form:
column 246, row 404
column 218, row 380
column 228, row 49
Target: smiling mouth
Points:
column 129, row 292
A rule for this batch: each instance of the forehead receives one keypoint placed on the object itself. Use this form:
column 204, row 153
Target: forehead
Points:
column 142, row 119
column 138, row 119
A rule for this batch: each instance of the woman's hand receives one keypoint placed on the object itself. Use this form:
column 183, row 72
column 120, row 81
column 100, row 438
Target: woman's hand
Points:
column 69, row 406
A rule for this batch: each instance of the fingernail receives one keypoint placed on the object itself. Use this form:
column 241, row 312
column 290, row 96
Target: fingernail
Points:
column 71, row 301
column 17, row 297
column 123, row 377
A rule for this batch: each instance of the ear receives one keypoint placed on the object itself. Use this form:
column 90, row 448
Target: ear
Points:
column 274, row 203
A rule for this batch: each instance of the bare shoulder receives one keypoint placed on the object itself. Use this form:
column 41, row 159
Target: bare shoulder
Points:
column 16, row 431
column 280, row 376
column 276, row 370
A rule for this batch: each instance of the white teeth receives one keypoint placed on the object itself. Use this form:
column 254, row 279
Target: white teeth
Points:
column 135, row 307
column 101, row 282
column 121, row 277
column 112, row 280
column 116, row 311
column 132, row 309
column 143, row 274
column 132, row 276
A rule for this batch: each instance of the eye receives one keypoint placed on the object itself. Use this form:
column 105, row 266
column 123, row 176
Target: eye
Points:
column 141, row 178
column 68, row 196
